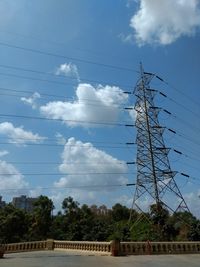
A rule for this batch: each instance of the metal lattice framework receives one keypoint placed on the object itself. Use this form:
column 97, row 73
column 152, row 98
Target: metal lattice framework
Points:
column 155, row 179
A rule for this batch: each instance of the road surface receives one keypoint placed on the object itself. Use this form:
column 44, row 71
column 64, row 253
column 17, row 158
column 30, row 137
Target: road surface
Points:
column 76, row 259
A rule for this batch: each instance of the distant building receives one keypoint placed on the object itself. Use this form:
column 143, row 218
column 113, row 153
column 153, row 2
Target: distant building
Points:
column 24, row 203
column 101, row 210
column 2, row 203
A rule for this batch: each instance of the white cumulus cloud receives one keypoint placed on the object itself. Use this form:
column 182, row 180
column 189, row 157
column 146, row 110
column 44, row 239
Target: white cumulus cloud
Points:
column 68, row 70
column 18, row 135
column 11, row 178
column 93, row 104
column 31, row 100
column 95, row 167
column 164, row 21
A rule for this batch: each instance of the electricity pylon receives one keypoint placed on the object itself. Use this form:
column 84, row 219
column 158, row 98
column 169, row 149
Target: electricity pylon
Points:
column 155, row 180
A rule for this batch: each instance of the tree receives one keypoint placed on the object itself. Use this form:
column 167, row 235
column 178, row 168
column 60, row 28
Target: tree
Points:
column 71, row 226
column 194, row 232
column 13, row 224
column 142, row 230
column 70, row 206
column 160, row 220
column 120, row 213
column 41, row 218
column 57, row 227
column 186, row 225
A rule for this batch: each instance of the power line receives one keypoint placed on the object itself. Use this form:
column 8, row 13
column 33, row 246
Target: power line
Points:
column 65, row 120
column 44, row 80
column 66, row 57
column 71, row 174
column 184, row 107
column 55, row 75
column 187, row 124
column 34, row 79
column 86, row 102
column 186, row 148
column 191, row 127
column 191, row 166
column 181, row 93
column 65, row 141
column 65, row 163
column 32, row 92
column 180, row 153
column 181, row 105
column 58, row 145
column 55, row 43
column 69, row 187
column 175, row 116
column 183, row 136
column 83, row 140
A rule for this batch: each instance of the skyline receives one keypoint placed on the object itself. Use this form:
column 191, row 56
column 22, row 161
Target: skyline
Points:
column 64, row 69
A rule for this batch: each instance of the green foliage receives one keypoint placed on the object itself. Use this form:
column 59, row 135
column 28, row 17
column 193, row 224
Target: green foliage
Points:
column 194, row 232
column 120, row 212
column 142, row 231
column 13, row 224
column 95, row 223
column 41, row 218
column 121, row 231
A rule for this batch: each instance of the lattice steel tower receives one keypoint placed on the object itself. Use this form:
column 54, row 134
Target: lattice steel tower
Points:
column 155, row 179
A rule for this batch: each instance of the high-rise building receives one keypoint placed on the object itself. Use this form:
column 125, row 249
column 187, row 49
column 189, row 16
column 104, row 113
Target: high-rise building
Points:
column 2, row 203
column 24, row 203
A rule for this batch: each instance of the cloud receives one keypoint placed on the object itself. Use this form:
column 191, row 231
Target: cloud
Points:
column 3, row 153
column 126, row 200
column 68, row 70
column 11, row 178
column 85, row 159
column 126, row 38
column 100, row 104
column 60, row 139
column 92, row 164
column 164, row 21
column 31, row 100
column 132, row 113
column 192, row 199
column 18, row 135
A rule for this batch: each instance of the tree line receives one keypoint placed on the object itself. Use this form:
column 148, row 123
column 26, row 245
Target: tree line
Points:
column 92, row 223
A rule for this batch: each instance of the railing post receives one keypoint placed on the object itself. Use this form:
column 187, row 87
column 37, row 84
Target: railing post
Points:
column 115, row 248
column 148, row 246
column 50, row 244
column 2, row 250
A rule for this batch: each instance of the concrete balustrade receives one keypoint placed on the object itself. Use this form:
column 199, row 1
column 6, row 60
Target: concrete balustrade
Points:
column 142, row 248
column 26, row 246
column 114, row 248
column 83, row 245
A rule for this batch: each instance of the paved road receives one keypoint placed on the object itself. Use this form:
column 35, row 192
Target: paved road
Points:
column 70, row 259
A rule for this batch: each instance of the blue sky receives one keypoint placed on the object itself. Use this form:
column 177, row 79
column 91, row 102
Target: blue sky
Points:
column 68, row 63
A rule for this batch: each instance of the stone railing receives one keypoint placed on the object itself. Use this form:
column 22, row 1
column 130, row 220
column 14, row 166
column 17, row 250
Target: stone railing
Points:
column 25, row 246
column 50, row 244
column 104, row 247
column 141, row 248
column 114, row 248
